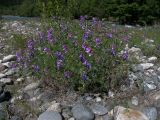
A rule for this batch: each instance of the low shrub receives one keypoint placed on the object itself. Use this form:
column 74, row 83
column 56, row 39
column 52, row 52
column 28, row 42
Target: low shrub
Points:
column 82, row 55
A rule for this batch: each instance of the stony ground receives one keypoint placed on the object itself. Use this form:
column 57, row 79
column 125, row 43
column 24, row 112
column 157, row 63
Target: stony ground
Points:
column 25, row 98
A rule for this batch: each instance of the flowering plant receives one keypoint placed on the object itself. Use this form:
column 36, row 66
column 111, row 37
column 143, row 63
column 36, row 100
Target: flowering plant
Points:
column 84, row 55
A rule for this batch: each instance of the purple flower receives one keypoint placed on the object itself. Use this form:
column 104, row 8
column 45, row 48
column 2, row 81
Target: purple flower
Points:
column 98, row 41
column 67, row 74
column 13, row 65
column 84, row 62
column 94, row 21
column 59, row 55
column 46, row 50
column 84, row 76
column 84, row 46
column 125, row 55
column 88, row 65
column 18, row 56
column 109, row 35
column 82, row 18
column 59, row 64
column 49, row 35
column 30, row 44
column 36, row 68
column 69, row 35
column 85, row 35
column 65, row 49
column 82, row 58
column 87, row 49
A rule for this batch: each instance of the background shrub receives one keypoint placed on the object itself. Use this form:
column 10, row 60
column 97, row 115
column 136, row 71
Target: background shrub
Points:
column 125, row 11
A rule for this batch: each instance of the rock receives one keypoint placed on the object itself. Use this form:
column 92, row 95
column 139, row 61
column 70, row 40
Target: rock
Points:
column 9, row 58
column 19, row 80
column 2, row 67
column 129, row 26
column 150, row 112
column 152, row 59
column 54, row 107
column 134, row 50
column 82, row 112
column 88, row 98
column 15, row 24
column 143, row 66
column 134, row 100
column 133, row 77
column 10, row 72
column 71, row 118
column 121, row 113
column 110, row 94
column 47, row 96
column 104, row 117
column 7, row 64
column 31, row 86
column 98, row 99
column 5, row 96
column 6, row 81
column 2, row 75
column 66, row 113
column 149, row 41
column 50, row 115
column 99, row 109
column 149, row 86
column 15, row 118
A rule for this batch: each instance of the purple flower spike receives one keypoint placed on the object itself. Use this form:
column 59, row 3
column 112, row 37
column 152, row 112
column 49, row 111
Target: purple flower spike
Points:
column 109, row 35
column 82, row 58
column 98, row 41
column 88, row 65
column 30, row 44
column 84, row 76
column 59, row 55
column 82, row 18
column 49, row 35
column 65, row 49
column 86, row 35
column 19, row 56
column 94, row 21
column 87, row 49
column 84, row 46
column 69, row 35
column 59, row 64
column 46, row 50
column 125, row 55
column 67, row 74
column 36, row 68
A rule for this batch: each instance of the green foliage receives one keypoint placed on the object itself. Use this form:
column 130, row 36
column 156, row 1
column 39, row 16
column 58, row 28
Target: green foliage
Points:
column 28, row 8
column 125, row 11
column 89, row 65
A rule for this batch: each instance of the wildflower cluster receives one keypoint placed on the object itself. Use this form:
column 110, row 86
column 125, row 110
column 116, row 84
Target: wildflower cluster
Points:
column 84, row 55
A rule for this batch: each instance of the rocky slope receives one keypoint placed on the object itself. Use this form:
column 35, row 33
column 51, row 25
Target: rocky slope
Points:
column 25, row 98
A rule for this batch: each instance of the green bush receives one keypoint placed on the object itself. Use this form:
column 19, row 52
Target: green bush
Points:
column 125, row 11
column 78, row 55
